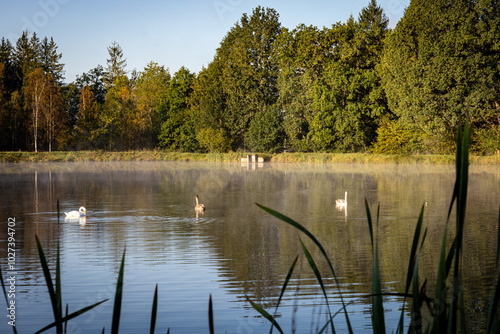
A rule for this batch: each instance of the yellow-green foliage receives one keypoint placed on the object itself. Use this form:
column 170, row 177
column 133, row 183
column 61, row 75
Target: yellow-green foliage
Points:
column 215, row 141
column 393, row 138
column 487, row 141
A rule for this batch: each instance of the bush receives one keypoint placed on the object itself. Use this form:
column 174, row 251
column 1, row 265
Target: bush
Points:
column 394, row 138
column 215, row 141
column 487, row 141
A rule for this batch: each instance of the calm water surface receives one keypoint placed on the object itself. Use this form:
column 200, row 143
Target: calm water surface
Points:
column 235, row 249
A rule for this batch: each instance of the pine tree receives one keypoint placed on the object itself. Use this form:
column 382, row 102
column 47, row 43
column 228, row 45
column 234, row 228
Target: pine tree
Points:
column 51, row 60
column 116, row 63
column 6, row 58
column 27, row 55
column 373, row 17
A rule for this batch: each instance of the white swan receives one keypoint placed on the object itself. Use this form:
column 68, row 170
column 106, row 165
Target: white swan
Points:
column 341, row 203
column 199, row 207
column 82, row 212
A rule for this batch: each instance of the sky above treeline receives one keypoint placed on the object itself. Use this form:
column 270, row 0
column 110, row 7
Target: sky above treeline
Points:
column 170, row 33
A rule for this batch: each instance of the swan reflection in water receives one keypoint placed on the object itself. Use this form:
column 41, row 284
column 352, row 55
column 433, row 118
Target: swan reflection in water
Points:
column 341, row 204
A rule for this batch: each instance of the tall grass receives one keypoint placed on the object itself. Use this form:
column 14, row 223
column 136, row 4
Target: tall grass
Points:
column 235, row 157
column 446, row 309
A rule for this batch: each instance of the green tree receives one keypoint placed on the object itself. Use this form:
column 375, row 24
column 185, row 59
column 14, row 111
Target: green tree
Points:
column 50, row 60
column 27, row 56
column 250, row 69
column 4, row 114
column 151, row 91
column 116, row 64
column 119, row 117
column 178, row 130
column 265, row 133
column 34, row 93
column 88, row 120
column 53, row 114
column 95, row 78
column 302, row 55
column 373, row 17
column 208, row 106
column 9, row 75
column 349, row 99
column 441, row 63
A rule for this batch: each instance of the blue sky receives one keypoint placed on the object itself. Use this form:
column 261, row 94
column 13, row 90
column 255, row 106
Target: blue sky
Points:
column 171, row 33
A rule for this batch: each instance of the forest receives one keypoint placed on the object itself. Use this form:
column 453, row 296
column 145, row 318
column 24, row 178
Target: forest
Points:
column 357, row 86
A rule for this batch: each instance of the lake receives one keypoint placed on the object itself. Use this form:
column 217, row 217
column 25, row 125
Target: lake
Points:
column 235, row 249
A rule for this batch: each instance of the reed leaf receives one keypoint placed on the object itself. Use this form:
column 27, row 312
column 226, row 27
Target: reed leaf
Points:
column 58, row 289
column 211, row 326
column 378, row 321
column 54, row 297
column 370, row 222
column 315, row 269
column 72, row 315
column 265, row 314
column 417, row 303
column 283, row 288
column 118, row 298
column 320, row 247
column 154, row 311
column 65, row 317
column 462, row 165
column 439, row 307
column 411, row 265
column 414, row 248
column 58, row 214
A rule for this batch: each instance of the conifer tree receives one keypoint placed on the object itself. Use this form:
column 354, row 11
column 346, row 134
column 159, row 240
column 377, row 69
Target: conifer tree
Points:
column 116, row 63
column 51, row 60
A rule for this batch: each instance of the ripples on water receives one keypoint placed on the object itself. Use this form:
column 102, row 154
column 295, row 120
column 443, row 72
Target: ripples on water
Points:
column 235, row 249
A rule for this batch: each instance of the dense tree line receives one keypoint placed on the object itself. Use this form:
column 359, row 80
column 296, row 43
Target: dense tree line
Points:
column 354, row 86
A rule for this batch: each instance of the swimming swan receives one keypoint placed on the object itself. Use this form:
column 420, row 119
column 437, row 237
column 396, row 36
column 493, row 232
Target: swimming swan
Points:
column 199, row 207
column 341, row 202
column 82, row 212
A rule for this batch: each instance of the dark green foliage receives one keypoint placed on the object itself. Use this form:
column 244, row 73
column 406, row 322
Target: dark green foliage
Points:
column 441, row 63
column 249, row 69
column 178, row 129
column 302, row 56
column 265, row 133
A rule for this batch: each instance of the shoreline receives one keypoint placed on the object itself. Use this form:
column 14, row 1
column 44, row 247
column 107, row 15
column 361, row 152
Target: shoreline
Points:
column 235, row 157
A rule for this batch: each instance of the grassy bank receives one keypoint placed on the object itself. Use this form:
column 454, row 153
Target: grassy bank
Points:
column 234, row 157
